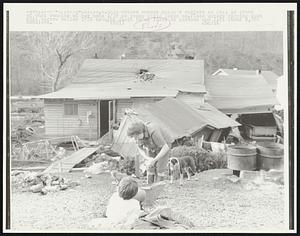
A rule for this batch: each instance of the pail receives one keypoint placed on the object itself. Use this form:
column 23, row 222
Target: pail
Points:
column 241, row 157
column 270, row 156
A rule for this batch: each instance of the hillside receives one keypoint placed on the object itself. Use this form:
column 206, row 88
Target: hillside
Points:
column 34, row 59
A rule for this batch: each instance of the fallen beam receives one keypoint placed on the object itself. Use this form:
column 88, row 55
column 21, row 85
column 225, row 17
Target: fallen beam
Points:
column 66, row 164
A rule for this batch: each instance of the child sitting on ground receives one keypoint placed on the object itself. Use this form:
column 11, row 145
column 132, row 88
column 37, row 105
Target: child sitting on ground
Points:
column 123, row 208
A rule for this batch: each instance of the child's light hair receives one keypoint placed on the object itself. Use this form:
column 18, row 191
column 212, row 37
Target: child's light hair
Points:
column 127, row 188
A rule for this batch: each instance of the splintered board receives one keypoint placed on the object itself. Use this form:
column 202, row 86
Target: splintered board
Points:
column 67, row 163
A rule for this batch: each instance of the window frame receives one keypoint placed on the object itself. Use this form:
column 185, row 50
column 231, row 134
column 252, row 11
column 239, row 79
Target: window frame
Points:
column 73, row 105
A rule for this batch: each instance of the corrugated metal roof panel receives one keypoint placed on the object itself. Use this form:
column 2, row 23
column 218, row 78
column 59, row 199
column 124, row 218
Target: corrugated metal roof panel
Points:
column 269, row 76
column 122, row 70
column 231, row 93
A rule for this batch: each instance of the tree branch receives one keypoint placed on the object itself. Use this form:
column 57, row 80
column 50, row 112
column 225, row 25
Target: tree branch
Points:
column 66, row 58
column 45, row 73
column 59, row 55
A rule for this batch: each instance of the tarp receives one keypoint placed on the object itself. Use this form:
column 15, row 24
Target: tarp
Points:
column 117, row 79
column 174, row 117
column 233, row 94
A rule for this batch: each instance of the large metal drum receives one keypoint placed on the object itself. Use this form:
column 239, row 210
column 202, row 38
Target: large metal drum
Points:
column 270, row 156
column 241, row 157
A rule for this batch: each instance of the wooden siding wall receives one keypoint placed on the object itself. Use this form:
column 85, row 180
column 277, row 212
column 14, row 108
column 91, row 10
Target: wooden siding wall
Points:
column 192, row 99
column 121, row 105
column 58, row 124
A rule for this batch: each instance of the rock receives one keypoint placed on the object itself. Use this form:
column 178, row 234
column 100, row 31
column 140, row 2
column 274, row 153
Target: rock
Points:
column 55, row 182
column 44, row 191
column 36, row 188
column 46, row 178
column 48, row 182
column 233, row 178
column 51, row 188
column 29, row 176
column 63, row 187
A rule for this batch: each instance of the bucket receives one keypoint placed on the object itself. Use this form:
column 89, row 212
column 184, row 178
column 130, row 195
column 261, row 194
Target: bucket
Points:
column 241, row 157
column 270, row 156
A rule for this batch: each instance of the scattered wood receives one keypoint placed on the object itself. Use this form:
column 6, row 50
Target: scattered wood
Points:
column 67, row 163
column 33, row 168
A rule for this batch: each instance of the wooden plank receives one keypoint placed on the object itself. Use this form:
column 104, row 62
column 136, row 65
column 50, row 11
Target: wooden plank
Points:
column 67, row 163
column 33, row 168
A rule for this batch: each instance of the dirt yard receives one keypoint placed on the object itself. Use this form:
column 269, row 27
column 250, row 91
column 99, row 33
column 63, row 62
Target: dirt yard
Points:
column 210, row 200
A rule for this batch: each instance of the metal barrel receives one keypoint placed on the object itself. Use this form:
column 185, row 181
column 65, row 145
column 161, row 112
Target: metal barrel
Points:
column 270, row 156
column 241, row 157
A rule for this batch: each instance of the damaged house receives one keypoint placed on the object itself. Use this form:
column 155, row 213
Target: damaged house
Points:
column 248, row 97
column 103, row 88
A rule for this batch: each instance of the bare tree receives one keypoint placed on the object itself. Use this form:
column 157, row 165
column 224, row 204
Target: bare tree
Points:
column 54, row 50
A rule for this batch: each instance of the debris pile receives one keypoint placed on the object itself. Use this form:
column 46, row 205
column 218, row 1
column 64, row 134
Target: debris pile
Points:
column 104, row 153
column 40, row 183
column 145, row 75
column 98, row 168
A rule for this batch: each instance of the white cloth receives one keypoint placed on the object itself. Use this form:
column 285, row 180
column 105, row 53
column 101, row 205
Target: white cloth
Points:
column 217, row 147
column 120, row 211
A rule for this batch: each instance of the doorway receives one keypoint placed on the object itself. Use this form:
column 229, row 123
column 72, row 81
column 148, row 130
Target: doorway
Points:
column 106, row 116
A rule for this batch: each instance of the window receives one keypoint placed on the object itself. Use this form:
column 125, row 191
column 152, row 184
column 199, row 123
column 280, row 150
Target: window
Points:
column 70, row 109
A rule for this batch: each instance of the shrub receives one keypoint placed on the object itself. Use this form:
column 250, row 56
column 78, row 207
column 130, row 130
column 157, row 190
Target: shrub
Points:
column 127, row 166
column 204, row 160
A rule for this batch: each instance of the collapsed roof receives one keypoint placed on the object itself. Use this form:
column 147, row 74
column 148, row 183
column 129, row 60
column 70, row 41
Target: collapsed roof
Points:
column 174, row 117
